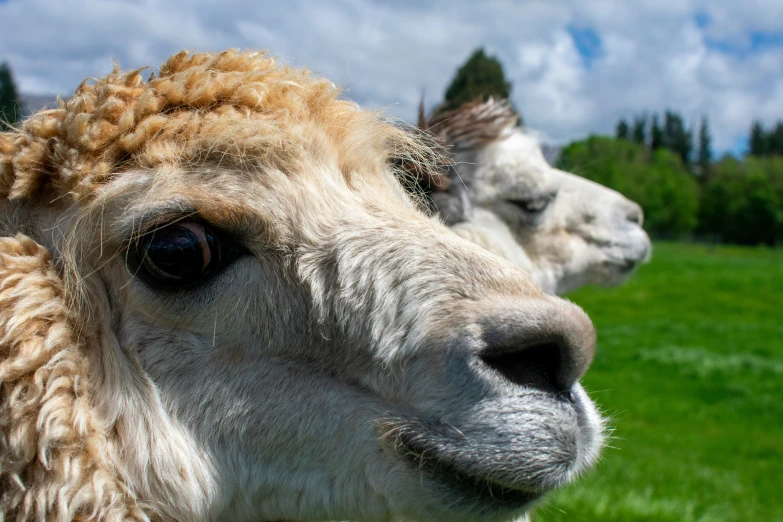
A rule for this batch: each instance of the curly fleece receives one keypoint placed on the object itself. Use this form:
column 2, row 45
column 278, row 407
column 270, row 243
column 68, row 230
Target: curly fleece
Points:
column 53, row 451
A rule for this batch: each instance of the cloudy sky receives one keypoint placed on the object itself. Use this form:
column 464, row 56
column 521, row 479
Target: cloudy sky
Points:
column 576, row 66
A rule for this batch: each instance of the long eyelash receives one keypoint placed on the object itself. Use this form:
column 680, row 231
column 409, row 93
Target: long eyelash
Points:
column 136, row 254
column 163, row 222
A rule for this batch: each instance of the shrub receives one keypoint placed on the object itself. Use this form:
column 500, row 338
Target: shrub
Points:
column 743, row 201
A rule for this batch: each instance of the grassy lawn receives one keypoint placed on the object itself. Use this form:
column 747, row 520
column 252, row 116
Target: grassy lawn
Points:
column 690, row 370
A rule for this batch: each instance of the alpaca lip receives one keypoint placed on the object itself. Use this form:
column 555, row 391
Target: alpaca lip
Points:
column 469, row 486
column 626, row 264
column 488, row 457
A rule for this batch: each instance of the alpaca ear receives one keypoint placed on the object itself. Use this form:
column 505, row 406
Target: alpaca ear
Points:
column 54, row 456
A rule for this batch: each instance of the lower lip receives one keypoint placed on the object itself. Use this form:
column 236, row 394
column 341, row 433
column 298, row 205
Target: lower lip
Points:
column 470, row 489
column 625, row 266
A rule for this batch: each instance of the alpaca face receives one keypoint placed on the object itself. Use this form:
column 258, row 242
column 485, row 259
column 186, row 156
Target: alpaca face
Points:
column 273, row 330
column 331, row 353
column 573, row 232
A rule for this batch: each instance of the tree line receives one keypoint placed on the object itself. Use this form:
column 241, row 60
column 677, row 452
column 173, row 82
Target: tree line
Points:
column 737, row 200
column 672, row 135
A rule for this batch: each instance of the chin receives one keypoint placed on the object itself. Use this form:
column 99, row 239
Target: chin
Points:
column 460, row 475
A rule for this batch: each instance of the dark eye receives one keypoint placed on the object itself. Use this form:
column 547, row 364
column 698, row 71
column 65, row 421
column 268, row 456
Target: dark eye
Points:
column 180, row 254
column 533, row 205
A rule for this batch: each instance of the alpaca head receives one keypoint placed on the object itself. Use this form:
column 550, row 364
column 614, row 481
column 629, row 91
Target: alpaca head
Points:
column 271, row 329
column 573, row 231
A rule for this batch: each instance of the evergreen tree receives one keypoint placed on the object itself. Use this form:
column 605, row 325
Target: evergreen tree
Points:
column 670, row 126
column 705, row 146
column 676, row 137
column 639, row 135
column 656, row 134
column 622, row 130
column 479, row 78
column 775, row 140
column 757, row 144
column 10, row 111
column 684, row 146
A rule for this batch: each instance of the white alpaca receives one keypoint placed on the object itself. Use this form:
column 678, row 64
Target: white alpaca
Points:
column 218, row 304
column 564, row 230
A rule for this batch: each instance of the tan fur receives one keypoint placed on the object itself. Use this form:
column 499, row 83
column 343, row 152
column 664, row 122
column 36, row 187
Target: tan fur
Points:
column 54, row 452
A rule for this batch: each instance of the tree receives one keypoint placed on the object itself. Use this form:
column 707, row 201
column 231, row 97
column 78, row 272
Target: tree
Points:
column 638, row 134
column 765, row 143
column 676, row 137
column 757, row 144
column 622, row 130
column 479, row 78
column 10, row 111
column 705, row 147
column 656, row 134
column 775, row 140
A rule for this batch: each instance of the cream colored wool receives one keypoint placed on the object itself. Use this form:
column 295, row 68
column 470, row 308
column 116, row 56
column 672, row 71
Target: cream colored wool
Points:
column 53, row 451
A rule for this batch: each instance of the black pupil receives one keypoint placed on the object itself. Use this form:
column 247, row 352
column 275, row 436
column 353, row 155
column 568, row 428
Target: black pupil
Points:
column 175, row 253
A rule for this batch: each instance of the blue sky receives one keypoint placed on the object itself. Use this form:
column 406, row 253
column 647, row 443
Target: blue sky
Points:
column 751, row 42
column 755, row 43
column 587, row 42
column 576, row 67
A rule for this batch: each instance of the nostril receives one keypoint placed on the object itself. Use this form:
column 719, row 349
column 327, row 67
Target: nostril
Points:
column 538, row 366
column 541, row 343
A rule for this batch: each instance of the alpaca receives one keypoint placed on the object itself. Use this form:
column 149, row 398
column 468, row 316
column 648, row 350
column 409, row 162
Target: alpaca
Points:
column 217, row 302
column 501, row 193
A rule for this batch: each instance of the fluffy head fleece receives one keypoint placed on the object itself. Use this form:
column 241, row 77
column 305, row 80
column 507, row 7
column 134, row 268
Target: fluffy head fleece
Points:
column 197, row 103
column 55, row 453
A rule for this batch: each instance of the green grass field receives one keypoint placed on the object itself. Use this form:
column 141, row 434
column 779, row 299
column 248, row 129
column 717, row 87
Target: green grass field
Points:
column 690, row 370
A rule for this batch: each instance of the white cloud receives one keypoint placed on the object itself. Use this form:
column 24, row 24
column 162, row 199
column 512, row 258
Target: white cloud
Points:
column 654, row 54
column 549, row 82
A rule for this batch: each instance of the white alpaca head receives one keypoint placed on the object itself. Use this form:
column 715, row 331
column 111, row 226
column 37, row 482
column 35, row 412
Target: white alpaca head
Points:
column 571, row 231
column 269, row 328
